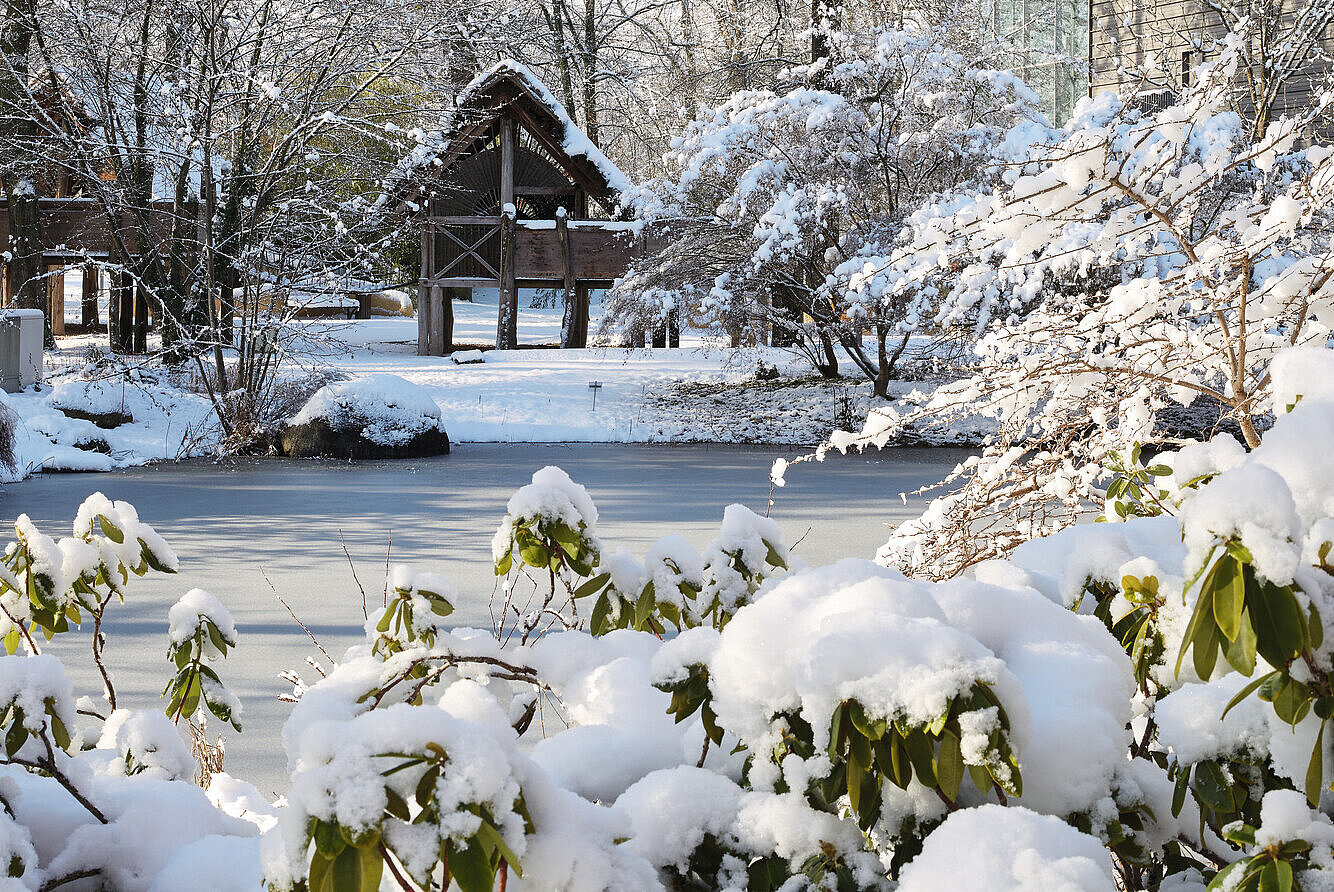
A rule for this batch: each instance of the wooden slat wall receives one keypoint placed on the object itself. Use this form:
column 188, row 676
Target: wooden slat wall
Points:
column 1127, row 34
column 76, row 226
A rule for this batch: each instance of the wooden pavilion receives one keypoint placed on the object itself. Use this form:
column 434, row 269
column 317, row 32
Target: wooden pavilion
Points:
column 76, row 233
column 507, row 198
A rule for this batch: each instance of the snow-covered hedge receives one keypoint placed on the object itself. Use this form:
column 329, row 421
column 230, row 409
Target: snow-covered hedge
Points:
column 1134, row 704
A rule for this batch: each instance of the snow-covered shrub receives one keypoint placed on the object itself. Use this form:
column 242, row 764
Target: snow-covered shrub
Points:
column 408, row 617
column 770, row 194
column 433, row 790
column 199, row 629
column 680, row 586
column 74, row 805
column 1138, row 704
column 551, row 526
column 1130, row 268
column 46, row 584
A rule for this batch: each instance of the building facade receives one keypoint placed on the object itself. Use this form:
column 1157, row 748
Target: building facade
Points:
column 1068, row 49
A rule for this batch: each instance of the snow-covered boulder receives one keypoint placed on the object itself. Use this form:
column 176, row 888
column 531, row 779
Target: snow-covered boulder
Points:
column 106, row 403
column 378, row 416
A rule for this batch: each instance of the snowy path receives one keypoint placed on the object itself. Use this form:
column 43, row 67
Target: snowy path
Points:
column 227, row 523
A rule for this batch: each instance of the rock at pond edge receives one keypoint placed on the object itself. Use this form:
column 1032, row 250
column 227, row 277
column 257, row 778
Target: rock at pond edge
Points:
column 317, row 438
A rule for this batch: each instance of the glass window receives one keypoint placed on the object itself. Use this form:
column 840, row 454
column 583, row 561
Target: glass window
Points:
column 1048, row 46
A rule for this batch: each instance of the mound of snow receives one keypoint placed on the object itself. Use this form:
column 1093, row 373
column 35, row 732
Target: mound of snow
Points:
column 997, row 849
column 904, row 648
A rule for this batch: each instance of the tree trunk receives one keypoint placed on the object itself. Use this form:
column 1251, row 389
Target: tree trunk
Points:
column 89, row 314
column 19, row 164
column 27, row 266
column 558, row 17
column 882, row 366
column 590, row 61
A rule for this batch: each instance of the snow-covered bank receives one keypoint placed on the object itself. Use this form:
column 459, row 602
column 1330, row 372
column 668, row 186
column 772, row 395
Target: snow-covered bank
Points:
column 106, row 422
column 701, row 392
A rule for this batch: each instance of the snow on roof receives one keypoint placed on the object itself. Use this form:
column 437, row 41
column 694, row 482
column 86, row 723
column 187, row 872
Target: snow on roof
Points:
column 575, row 143
column 433, row 146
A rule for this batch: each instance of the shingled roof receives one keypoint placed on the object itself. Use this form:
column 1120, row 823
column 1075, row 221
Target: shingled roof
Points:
column 509, row 86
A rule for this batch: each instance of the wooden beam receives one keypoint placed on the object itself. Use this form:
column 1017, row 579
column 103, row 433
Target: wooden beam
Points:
column 55, row 295
column 507, row 325
column 439, row 343
column 468, row 282
column 447, row 313
column 581, row 327
column 423, row 291
column 92, row 281
column 507, row 147
column 423, row 319
column 557, row 191
column 569, row 323
column 464, row 221
column 507, row 317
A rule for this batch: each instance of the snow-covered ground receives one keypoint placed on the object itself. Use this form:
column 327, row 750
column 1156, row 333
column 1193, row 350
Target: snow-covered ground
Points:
column 702, row 392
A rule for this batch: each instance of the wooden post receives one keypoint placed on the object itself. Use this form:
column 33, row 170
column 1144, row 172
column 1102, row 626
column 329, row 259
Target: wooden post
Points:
column 581, row 317
column 6, row 289
column 507, row 322
column 507, row 140
column 447, row 315
column 140, row 327
column 92, row 281
column 437, row 321
column 424, row 291
column 569, row 329
column 423, row 319
column 121, row 314
column 55, row 294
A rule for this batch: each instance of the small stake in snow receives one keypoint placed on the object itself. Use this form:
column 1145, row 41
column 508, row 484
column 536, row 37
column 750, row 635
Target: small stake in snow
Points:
column 595, row 386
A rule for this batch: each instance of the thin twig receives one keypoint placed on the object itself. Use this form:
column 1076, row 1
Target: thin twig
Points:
column 99, row 641
column 389, row 549
column 297, row 619
column 393, row 870
column 57, row 882
column 365, row 614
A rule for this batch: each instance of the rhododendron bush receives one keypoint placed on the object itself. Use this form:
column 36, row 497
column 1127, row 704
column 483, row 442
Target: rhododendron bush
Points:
column 1141, row 703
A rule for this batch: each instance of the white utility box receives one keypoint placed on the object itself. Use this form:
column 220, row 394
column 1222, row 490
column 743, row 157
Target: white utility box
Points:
column 20, row 348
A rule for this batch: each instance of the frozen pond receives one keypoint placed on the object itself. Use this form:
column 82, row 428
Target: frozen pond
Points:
column 233, row 525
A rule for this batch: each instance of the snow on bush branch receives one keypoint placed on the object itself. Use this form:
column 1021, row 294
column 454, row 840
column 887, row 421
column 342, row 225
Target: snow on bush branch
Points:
column 79, row 783
column 772, row 191
column 1131, row 277
column 1134, row 704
